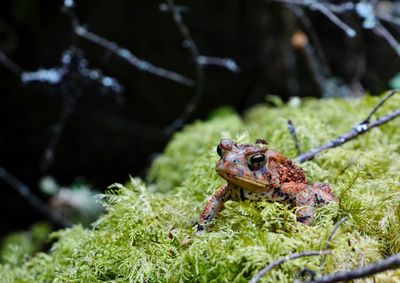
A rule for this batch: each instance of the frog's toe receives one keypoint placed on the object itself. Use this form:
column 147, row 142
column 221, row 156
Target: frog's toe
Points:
column 200, row 230
column 306, row 220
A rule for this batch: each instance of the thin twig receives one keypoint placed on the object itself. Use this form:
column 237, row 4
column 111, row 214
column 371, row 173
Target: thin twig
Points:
column 10, row 65
column 333, row 18
column 123, row 53
column 292, row 131
column 366, row 10
column 336, row 8
column 352, row 134
column 388, row 18
column 340, row 8
column 391, row 262
column 32, row 199
column 377, row 106
column 270, row 266
column 340, row 222
column 66, row 110
column 327, row 11
column 132, row 59
column 226, row 63
column 385, row 34
column 191, row 44
column 69, row 80
column 199, row 69
column 200, row 62
column 305, row 20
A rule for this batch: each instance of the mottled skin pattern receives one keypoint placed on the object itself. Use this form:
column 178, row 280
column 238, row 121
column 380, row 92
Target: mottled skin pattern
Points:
column 253, row 172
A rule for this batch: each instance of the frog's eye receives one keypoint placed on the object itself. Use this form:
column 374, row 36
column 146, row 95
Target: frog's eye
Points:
column 219, row 150
column 256, row 161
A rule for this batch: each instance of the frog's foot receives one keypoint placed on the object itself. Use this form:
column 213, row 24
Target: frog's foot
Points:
column 305, row 214
column 323, row 193
column 187, row 241
column 212, row 209
column 199, row 230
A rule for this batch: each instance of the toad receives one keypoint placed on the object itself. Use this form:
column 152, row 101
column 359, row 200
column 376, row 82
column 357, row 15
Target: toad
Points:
column 256, row 173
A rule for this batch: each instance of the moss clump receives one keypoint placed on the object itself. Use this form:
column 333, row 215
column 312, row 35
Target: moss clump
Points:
column 141, row 237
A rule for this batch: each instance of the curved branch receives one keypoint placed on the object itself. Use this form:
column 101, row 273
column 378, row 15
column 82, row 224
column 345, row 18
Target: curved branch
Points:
column 270, row 266
column 32, row 199
column 391, row 262
column 358, row 130
column 10, row 65
column 125, row 54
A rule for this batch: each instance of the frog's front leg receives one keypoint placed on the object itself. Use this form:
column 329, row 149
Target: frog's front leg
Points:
column 213, row 207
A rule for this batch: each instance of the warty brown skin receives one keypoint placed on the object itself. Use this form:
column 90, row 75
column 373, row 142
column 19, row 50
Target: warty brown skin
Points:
column 256, row 173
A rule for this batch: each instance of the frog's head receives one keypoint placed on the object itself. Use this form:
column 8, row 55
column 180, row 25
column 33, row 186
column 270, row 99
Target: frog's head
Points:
column 243, row 164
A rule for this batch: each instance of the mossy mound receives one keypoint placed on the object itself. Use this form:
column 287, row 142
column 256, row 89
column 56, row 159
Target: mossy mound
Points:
column 144, row 236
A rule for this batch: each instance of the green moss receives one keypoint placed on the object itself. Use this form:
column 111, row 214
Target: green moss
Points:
column 145, row 234
column 17, row 246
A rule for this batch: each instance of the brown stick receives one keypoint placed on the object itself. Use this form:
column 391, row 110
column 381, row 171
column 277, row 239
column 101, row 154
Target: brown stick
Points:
column 358, row 130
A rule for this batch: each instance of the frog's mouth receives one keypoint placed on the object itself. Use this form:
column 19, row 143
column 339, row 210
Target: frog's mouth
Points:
column 250, row 181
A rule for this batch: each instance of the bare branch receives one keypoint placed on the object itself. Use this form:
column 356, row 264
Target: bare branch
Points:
column 292, row 131
column 270, row 266
column 328, row 11
column 377, row 106
column 194, row 51
column 336, row 8
column 391, row 262
column 32, row 199
column 69, row 80
column 340, row 8
column 48, row 154
column 182, row 9
column 331, row 16
column 10, row 65
column 191, row 44
column 128, row 56
column 226, row 63
column 125, row 54
column 352, row 134
column 385, row 34
column 366, row 10
column 200, row 61
column 388, row 18
column 305, row 20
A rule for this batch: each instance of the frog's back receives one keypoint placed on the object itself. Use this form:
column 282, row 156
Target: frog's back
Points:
column 286, row 170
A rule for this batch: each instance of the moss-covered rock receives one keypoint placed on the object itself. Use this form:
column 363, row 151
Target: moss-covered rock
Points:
column 144, row 236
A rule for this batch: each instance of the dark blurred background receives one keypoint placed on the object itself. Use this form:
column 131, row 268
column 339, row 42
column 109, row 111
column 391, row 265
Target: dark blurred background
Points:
column 104, row 141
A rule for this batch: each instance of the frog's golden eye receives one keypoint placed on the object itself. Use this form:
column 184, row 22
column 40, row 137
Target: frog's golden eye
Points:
column 256, row 161
column 219, row 150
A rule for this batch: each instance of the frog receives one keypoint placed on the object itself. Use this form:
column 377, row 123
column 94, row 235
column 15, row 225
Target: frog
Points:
column 256, row 173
